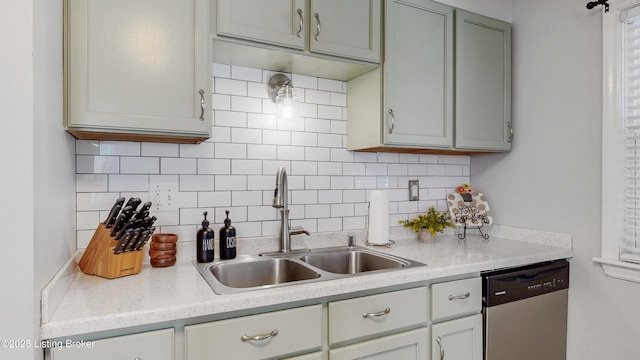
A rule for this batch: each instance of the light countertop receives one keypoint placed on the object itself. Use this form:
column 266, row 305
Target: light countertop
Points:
column 75, row 303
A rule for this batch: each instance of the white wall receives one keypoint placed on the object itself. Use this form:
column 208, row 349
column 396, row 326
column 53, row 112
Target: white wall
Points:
column 16, row 192
column 37, row 192
column 551, row 180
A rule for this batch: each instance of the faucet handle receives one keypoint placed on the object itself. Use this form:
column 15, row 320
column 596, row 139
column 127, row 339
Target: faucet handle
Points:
column 297, row 230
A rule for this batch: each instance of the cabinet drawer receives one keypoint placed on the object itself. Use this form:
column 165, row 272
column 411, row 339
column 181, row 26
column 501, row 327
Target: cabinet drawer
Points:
column 355, row 318
column 291, row 331
column 157, row 345
column 456, row 298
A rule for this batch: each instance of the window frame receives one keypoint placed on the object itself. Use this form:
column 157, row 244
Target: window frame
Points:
column 612, row 154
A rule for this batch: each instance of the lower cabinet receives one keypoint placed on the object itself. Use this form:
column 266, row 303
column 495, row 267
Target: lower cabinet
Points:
column 156, row 345
column 459, row 339
column 263, row 336
column 410, row 345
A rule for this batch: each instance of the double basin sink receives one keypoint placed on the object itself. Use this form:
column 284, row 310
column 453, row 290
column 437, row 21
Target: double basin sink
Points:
column 280, row 269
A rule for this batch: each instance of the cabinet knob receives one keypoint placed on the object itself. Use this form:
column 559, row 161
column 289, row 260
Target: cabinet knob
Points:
column 300, row 23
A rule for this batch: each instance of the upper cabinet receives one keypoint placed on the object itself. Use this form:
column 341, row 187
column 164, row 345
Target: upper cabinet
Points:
column 138, row 70
column 444, row 86
column 333, row 39
column 483, row 83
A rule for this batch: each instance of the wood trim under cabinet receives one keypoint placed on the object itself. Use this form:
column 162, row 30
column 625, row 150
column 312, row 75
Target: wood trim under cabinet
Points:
column 107, row 136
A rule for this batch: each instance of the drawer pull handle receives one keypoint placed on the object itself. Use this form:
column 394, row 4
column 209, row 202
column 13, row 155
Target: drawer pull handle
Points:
column 377, row 314
column 259, row 337
column 439, row 340
column 459, row 297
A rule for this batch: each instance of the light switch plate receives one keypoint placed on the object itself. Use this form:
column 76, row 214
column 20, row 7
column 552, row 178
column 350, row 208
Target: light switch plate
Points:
column 414, row 190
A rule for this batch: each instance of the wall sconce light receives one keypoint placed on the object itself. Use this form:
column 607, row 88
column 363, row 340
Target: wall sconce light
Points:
column 281, row 92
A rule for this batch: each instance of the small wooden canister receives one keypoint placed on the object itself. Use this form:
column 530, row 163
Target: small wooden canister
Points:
column 162, row 250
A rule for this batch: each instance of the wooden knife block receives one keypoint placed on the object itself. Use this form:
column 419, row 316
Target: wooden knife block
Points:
column 99, row 259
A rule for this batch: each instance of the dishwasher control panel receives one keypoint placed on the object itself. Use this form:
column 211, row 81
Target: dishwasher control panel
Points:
column 519, row 283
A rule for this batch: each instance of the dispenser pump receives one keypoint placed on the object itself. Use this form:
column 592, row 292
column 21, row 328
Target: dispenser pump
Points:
column 227, row 239
column 204, row 242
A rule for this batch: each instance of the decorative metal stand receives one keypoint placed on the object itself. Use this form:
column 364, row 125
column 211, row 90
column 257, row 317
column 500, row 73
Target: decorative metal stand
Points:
column 387, row 244
column 470, row 211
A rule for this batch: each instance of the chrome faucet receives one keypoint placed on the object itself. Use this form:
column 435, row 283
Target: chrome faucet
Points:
column 280, row 201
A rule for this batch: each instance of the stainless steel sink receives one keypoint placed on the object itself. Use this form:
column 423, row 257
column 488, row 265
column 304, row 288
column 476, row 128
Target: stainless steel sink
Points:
column 351, row 261
column 280, row 269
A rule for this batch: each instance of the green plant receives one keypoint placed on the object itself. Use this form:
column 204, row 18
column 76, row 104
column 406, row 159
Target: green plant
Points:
column 434, row 221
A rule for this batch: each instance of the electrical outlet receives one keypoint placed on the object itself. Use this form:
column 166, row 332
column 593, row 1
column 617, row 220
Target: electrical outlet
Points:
column 163, row 196
column 414, row 190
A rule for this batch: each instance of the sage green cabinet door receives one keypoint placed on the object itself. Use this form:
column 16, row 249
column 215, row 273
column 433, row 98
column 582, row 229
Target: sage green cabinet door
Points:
column 138, row 67
column 459, row 339
column 410, row 345
column 346, row 28
column 277, row 22
column 483, row 82
column 156, row 345
column 418, row 74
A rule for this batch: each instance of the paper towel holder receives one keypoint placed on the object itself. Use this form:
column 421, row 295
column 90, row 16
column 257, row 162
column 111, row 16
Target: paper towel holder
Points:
column 387, row 244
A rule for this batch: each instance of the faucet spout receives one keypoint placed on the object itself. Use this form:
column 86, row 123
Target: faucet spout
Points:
column 280, row 201
column 280, row 194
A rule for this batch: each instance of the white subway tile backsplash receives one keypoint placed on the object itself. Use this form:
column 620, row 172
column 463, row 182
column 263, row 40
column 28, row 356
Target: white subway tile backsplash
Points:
column 87, row 147
column 246, row 104
column 246, row 167
column 201, row 151
column 290, row 152
column 220, row 102
column 91, row 183
column 214, row 199
column 317, row 154
column 330, row 112
column 230, row 182
column 317, row 97
column 139, row 165
column 214, row 167
column 197, row 182
column 266, row 152
column 330, row 85
column 230, row 87
column 89, row 164
column 235, row 169
column 177, row 166
column 229, row 118
column 160, row 149
column 120, row 148
column 128, row 183
column 329, row 168
column 221, row 70
column 244, row 73
column 303, row 81
column 230, row 151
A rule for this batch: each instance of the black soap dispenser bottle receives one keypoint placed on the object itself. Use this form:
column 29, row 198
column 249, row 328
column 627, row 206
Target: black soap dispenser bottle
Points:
column 204, row 242
column 227, row 239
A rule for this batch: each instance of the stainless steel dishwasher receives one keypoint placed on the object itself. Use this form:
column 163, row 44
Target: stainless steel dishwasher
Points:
column 525, row 312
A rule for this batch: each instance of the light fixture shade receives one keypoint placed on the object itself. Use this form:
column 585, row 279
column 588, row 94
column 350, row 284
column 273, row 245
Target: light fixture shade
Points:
column 286, row 103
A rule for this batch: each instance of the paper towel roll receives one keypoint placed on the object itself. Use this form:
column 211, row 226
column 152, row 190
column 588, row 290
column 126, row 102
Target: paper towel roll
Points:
column 379, row 217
